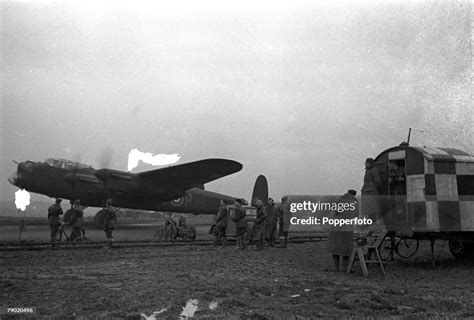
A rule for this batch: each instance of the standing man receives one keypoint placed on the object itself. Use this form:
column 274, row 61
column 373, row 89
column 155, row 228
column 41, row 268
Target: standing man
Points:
column 110, row 219
column 280, row 221
column 286, row 218
column 396, row 178
column 54, row 213
column 370, row 191
column 240, row 225
column 259, row 225
column 171, row 228
column 340, row 238
column 66, row 221
column 77, row 220
column 220, row 234
column 271, row 223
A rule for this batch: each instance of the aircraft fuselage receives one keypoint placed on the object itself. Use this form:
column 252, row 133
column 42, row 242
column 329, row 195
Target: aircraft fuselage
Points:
column 127, row 190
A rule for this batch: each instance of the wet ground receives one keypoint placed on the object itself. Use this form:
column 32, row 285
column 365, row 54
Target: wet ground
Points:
column 157, row 282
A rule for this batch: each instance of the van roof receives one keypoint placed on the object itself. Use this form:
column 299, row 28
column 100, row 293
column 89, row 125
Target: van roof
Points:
column 436, row 154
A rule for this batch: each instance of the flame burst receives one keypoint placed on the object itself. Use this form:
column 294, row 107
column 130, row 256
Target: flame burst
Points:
column 22, row 199
column 147, row 157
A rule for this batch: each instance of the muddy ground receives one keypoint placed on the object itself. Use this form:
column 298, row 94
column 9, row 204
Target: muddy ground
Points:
column 284, row 283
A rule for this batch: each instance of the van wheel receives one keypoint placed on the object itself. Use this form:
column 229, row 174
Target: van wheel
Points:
column 460, row 249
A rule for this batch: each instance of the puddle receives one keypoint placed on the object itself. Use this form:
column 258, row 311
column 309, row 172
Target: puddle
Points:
column 189, row 309
column 153, row 315
column 213, row 305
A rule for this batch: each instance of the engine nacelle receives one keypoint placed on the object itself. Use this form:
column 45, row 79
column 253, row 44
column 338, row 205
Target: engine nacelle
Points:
column 117, row 181
column 74, row 178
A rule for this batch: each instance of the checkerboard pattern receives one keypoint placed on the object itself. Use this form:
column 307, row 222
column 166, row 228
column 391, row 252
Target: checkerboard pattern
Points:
column 441, row 198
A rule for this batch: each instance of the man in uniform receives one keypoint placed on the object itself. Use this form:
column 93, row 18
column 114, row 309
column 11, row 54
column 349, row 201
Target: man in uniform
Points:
column 370, row 191
column 221, row 224
column 259, row 225
column 285, row 218
column 396, row 178
column 77, row 220
column 340, row 238
column 110, row 218
column 54, row 213
column 171, row 228
column 240, row 225
column 271, row 222
column 182, row 222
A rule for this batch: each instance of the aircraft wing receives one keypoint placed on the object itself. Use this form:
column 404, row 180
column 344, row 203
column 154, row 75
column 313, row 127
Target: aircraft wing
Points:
column 190, row 175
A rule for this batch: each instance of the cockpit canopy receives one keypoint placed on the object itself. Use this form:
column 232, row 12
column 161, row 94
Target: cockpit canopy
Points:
column 66, row 164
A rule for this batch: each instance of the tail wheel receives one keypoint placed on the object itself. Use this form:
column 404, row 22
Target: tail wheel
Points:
column 407, row 247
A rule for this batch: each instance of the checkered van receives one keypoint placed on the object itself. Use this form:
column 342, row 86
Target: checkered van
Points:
column 439, row 192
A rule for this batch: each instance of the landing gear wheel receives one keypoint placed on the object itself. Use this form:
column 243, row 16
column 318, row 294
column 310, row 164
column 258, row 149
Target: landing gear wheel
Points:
column 407, row 247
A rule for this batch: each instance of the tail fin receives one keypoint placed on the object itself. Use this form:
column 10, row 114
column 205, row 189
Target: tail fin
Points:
column 260, row 190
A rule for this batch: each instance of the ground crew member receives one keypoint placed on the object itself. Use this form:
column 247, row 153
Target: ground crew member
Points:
column 110, row 219
column 396, row 178
column 220, row 232
column 83, row 231
column 54, row 213
column 240, row 225
column 280, row 221
column 370, row 191
column 286, row 218
column 340, row 238
column 171, row 229
column 66, row 221
column 62, row 232
column 67, row 215
column 182, row 222
column 77, row 220
column 271, row 223
column 259, row 225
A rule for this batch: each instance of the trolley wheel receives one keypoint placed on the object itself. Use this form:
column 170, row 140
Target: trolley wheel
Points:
column 190, row 233
column 407, row 247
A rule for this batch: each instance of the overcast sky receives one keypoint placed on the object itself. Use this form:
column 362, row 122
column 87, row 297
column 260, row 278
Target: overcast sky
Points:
column 302, row 93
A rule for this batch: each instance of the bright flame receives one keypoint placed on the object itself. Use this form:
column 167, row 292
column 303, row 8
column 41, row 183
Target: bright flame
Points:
column 22, row 199
column 147, row 157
